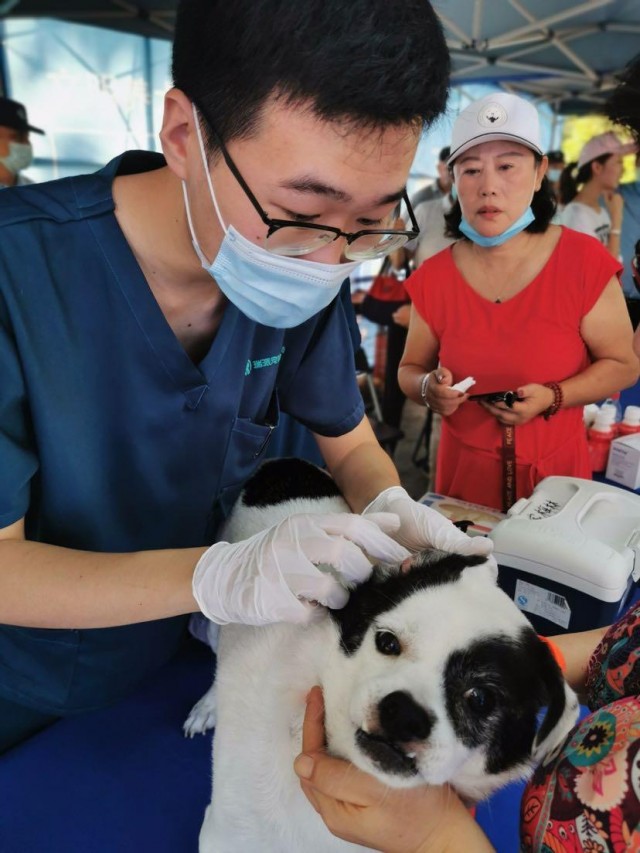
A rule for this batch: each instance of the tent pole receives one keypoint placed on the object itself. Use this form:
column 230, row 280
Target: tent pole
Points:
column 3, row 67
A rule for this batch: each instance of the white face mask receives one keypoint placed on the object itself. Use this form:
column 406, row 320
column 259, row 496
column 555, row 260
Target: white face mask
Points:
column 270, row 289
column 20, row 157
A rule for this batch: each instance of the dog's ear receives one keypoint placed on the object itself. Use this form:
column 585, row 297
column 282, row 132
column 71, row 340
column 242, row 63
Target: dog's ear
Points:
column 488, row 568
column 562, row 705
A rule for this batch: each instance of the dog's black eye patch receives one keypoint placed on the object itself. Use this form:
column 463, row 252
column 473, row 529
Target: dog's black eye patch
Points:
column 493, row 692
column 387, row 643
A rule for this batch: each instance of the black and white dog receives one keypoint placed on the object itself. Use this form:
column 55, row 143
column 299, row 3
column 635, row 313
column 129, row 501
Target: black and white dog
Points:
column 430, row 674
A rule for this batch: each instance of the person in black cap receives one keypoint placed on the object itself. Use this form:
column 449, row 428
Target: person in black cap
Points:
column 16, row 153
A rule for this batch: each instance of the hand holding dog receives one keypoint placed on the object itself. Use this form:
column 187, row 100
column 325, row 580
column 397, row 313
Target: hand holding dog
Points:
column 422, row 527
column 274, row 577
column 533, row 400
column 358, row 808
column 440, row 397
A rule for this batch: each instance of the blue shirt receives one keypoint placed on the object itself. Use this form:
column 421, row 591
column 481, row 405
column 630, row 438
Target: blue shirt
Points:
column 111, row 438
column 630, row 234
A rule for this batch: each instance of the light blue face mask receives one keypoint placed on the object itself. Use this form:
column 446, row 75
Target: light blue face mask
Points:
column 270, row 289
column 498, row 239
column 20, row 157
column 554, row 175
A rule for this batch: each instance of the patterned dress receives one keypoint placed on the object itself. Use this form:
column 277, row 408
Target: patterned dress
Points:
column 587, row 796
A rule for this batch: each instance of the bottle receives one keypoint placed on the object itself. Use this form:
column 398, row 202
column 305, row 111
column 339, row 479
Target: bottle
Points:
column 612, row 405
column 599, row 438
column 589, row 414
column 630, row 422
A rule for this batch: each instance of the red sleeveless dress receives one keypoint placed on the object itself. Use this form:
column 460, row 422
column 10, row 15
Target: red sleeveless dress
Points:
column 532, row 337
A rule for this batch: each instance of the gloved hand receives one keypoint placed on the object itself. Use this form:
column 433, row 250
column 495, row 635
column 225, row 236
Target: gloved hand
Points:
column 422, row 527
column 274, row 575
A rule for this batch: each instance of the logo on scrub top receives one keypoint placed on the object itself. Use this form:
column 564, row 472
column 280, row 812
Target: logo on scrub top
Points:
column 258, row 363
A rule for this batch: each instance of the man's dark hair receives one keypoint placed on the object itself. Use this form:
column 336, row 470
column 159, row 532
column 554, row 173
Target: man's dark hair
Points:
column 543, row 206
column 444, row 154
column 372, row 62
column 623, row 105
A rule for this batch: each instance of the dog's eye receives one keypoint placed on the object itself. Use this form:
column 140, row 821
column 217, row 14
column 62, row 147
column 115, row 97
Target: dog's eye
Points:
column 387, row 643
column 479, row 700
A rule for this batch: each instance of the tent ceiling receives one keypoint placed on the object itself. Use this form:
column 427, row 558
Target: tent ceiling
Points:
column 563, row 52
column 153, row 18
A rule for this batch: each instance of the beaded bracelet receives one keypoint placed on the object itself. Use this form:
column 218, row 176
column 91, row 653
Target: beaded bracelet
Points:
column 558, row 400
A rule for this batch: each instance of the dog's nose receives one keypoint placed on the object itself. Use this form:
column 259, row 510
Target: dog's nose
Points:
column 402, row 719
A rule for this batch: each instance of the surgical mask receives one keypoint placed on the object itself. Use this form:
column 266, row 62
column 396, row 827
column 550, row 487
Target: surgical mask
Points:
column 498, row 239
column 270, row 289
column 519, row 225
column 554, row 175
column 20, row 157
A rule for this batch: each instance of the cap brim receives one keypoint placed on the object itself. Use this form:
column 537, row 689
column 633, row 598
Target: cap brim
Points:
column 621, row 150
column 32, row 129
column 492, row 137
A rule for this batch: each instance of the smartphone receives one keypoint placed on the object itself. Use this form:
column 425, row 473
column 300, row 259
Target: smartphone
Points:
column 506, row 397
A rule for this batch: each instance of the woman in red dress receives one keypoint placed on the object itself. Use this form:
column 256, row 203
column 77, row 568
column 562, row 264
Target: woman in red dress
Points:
column 520, row 305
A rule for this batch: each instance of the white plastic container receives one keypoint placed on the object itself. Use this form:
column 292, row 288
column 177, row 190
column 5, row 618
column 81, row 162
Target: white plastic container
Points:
column 569, row 555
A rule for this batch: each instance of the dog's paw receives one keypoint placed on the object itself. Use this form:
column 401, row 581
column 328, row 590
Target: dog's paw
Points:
column 202, row 716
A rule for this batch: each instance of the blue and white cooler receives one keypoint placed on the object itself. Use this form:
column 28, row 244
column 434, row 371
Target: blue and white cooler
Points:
column 569, row 556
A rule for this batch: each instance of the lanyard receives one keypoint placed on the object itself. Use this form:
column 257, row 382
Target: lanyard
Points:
column 508, row 466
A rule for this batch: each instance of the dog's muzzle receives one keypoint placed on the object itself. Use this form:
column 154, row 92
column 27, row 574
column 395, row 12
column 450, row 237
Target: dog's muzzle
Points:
column 402, row 723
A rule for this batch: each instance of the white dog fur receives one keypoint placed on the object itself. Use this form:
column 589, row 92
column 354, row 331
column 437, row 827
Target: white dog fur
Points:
column 452, row 697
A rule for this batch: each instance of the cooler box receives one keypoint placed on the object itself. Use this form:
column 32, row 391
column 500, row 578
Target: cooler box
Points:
column 569, row 555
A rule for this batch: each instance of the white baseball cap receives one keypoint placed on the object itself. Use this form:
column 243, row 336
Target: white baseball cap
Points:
column 496, row 116
column 604, row 143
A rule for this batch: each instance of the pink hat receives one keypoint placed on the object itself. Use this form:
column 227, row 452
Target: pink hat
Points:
column 604, row 143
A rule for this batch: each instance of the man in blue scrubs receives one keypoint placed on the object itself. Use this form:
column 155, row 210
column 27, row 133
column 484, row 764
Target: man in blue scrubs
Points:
column 157, row 316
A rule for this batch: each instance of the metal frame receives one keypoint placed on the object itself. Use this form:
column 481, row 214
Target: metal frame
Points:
column 509, row 57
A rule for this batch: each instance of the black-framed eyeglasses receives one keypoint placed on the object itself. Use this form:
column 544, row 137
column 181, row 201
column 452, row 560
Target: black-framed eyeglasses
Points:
column 287, row 237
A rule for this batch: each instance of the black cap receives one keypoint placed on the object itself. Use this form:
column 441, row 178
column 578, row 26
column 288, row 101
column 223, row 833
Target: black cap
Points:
column 443, row 156
column 14, row 115
column 555, row 156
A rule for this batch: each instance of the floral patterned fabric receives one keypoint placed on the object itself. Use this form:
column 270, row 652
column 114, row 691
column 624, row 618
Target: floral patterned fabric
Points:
column 586, row 797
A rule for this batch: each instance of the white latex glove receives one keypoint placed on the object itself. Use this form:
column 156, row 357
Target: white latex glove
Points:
column 274, row 576
column 422, row 527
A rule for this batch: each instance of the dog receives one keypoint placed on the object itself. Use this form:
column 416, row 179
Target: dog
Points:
column 430, row 674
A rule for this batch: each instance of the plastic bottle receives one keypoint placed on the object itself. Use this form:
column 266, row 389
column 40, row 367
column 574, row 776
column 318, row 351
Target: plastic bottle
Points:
column 612, row 404
column 630, row 422
column 589, row 414
column 599, row 438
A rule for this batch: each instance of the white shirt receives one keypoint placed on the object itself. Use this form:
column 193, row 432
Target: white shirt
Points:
column 430, row 218
column 582, row 217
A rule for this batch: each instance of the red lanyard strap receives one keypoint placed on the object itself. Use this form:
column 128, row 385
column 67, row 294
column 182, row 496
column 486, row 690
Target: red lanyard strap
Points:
column 508, row 466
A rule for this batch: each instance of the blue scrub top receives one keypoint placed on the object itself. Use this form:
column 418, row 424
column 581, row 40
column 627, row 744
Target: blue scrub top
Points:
column 630, row 234
column 111, row 438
